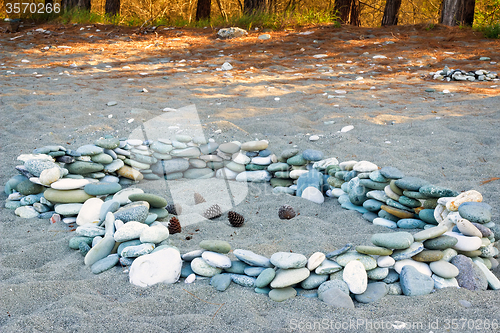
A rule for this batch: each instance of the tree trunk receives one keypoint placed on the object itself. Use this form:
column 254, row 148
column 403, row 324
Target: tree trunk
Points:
column 348, row 11
column 203, row 9
column 68, row 5
column 391, row 12
column 112, row 7
column 457, row 12
column 85, row 4
column 253, row 6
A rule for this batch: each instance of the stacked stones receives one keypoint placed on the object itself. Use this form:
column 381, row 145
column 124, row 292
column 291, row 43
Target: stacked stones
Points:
column 460, row 75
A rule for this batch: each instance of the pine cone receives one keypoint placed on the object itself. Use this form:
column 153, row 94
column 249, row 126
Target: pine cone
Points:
column 235, row 219
column 212, row 212
column 286, row 212
column 174, row 209
column 198, row 198
column 174, row 226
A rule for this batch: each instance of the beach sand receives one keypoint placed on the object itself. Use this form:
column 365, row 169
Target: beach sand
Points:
column 450, row 139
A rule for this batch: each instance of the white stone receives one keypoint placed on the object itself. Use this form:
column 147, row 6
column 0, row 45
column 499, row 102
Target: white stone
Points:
column 467, row 228
column 122, row 195
column 337, row 192
column 313, row 194
column 134, row 142
column 69, row 184
column 390, row 193
column 154, row 234
column 215, row 259
column 48, row 176
column 440, row 283
column 295, row 174
column 41, row 157
column 130, row 230
column 346, row 128
column 315, row 260
column 100, row 250
column 68, row 209
column 163, row 266
column 385, row 222
column 465, row 243
column 365, row 166
column 261, row 160
column 89, row 212
column 422, row 267
column 119, row 224
column 190, row 278
column 347, row 165
column 323, row 164
column 493, row 281
column 328, row 267
column 241, row 158
column 313, row 138
column 226, row 173
column 354, row 275
column 385, row 261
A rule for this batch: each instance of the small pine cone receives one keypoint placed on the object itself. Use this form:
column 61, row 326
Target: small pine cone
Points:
column 286, row 212
column 174, row 209
column 198, row 198
column 235, row 219
column 174, row 226
column 212, row 212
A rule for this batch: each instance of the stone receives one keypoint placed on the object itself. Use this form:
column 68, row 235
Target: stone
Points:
column 251, row 258
column 26, row 212
column 287, row 260
column 470, row 276
column 216, row 246
column 100, row 250
column 215, row 259
column 108, row 206
column 411, row 224
column 200, row 267
column 315, row 260
column 395, row 240
column 312, row 155
column 414, row 249
column 49, row 176
column 220, row 281
column 297, row 160
column 265, row 278
column 253, row 271
column 467, row 228
column 243, row 280
column 254, row 145
column 154, row 234
column 400, row 213
column 314, row 281
column 337, row 298
column 392, row 277
column 37, row 166
column 130, row 173
column 385, row 223
column 130, row 230
column 74, row 242
column 427, row 215
column 69, row 184
column 364, row 166
column 233, row 32
column 440, row 283
column 465, row 243
column 68, row 209
column 313, row 194
column 66, row 196
column 154, row 201
column 372, row 205
column 122, row 196
column 82, row 168
column 89, row 212
column 328, row 267
column 163, row 266
column 414, row 283
column 437, row 191
column 411, row 183
column 136, row 211
column 428, row 256
column 102, row 188
column 440, row 243
column 27, row 187
column 137, row 250
column 104, row 264
column 420, row 266
column 373, row 293
column 280, row 295
column 274, row 167
column 391, row 172
column 478, row 212
column 89, row 150
column 444, row 269
column 288, row 277
column 430, row 233
column 493, row 281
column 260, row 176
column 102, row 158
column 385, row 261
column 354, row 274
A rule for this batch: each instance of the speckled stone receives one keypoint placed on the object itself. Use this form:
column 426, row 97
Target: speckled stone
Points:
column 27, row 187
column 437, row 191
column 478, row 212
column 411, row 183
column 470, row 276
column 136, row 211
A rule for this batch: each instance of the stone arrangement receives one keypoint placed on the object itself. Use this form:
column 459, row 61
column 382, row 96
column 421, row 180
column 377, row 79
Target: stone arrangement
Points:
column 459, row 75
column 130, row 227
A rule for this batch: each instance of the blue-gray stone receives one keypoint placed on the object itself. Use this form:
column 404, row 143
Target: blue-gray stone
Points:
column 144, row 159
column 243, row 280
column 340, row 251
column 209, row 148
column 84, row 248
column 374, row 292
column 437, row 191
column 388, row 216
column 237, row 267
column 392, row 277
column 395, row 204
column 108, row 206
column 393, row 240
column 186, row 269
column 253, row 271
column 135, row 211
column 427, row 215
column 331, row 284
column 265, row 290
column 265, row 153
column 251, row 258
column 281, row 189
column 440, row 243
column 137, row 250
column 357, row 194
column 126, row 261
column 411, row 183
column 252, row 153
column 102, row 188
column 151, row 218
column 370, row 216
column 82, row 168
column 314, row 281
column 409, row 202
column 312, row 178
column 377, row 195
column 340, row 174
column 35, row 167
column 10, row 204
column 373, row 185
column 351, row 206
column 274, row 167
column 27, row 187
column 344, row 187
column 46, row 215
column 105, row 263
column 74, row 242
column 312, row 155
column 42, row 150
column 344, row 198
column 470, row 276
column 411, row 224
column 350, row 175
column 151, row 176
column 297, row 160
column 414, row 194
column 41, row 208
column 133, row 242
column 377, row 176
column 12, row 183
column 90, row 150
column 220, row 281
column 265, row 277
column 391, row 172
column 414, row 283
column 30, row 199
column 175, row 165
column 414, row 249
column 479, row 212
column 372, row 205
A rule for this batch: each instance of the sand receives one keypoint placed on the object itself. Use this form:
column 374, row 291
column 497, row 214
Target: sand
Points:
column 449, row 139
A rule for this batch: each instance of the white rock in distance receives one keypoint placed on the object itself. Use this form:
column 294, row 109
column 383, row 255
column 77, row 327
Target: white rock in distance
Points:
column 163, row 266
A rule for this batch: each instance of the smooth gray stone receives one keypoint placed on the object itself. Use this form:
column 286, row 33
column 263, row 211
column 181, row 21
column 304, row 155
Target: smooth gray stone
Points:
column 377, row 195
column 265, row 278
column 89, row 150
column 378, row 273
column 337, row 298
column 427, row 215
column 288, row 260
column 409, row 202
column 12, row 204
column 105, row 263
column 209, row 148
column 90, row 231
column 393, row 240
column 133, row 242
column 391, row 172
column 84, row 248
column 314, row 280
column 137, row 250
column 46, row 215
column 414, row 283
column 312, row 155
column 332, row 284
column 440, row 243
column 287, row 153
column 282, row 294
column 12, row 183
column 264, row 290
column 251, row 258
column 102, row 188
column 126, row 261
column 174, row 165
column 414, row 249
column 411, row 183
column 27, row 187
column 74, row 242
column 340, row 251
column 82, row 168
column 372, row 185
column 351, row 206
column 186, row 269
column 237, row 267
column 274, row 167
column 374, row 292
column 372, row 205
column 370, row 216
column 220, row 281
column 253, row 271
column 377, row 176
column 100, row 250
column 414, row 195
column 411, row 224
column 392, row 277
column 108, row 206
column 144, row 159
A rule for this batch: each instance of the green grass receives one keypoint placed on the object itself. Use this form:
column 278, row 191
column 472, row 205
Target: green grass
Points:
column 490, row 31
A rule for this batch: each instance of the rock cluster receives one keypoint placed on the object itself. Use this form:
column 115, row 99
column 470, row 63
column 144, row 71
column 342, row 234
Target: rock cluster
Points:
column 448, row 74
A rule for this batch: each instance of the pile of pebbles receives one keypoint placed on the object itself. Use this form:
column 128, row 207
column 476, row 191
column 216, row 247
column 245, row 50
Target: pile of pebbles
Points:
column 83, row 187
column 459, row 75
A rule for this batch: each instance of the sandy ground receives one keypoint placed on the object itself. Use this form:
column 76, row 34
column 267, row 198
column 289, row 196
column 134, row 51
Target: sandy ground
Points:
column 58, row 95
